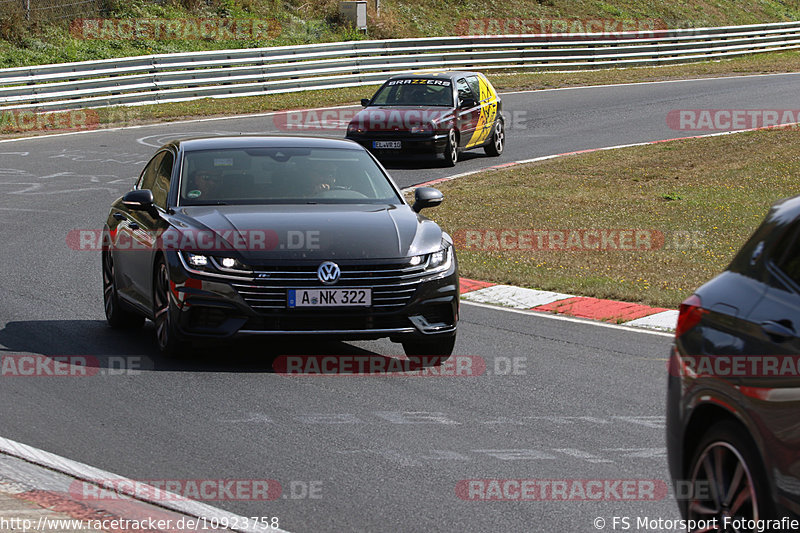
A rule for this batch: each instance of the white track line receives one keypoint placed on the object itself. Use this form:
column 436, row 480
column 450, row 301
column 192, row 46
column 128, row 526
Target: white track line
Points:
column 111, row 482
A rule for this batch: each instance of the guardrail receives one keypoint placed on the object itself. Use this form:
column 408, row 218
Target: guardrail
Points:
column 260, row 71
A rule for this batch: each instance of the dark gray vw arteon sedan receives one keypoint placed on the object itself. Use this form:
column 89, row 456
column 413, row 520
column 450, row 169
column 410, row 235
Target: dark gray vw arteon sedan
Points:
column 278, row 236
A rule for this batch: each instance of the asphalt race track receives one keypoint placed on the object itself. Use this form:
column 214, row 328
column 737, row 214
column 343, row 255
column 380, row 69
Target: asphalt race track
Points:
column 559, row 400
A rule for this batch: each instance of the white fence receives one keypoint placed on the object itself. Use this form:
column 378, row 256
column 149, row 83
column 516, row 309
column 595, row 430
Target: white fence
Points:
column 260, row 71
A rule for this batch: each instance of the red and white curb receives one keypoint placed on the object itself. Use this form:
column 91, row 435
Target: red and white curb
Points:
column 611, row 311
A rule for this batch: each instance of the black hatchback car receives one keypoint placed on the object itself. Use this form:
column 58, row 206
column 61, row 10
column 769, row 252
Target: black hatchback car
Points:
column 431, row 114
column 278, row 236
column 733, row 401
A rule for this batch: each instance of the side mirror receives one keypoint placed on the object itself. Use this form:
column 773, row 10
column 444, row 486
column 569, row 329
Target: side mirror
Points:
column 468, row 102
column 364, row 102
column 426, row 197
column 139, row 200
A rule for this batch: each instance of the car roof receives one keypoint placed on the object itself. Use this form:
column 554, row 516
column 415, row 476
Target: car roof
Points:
column 444, row 75
column 785, row 211
column 780, row 217
column 262, row 141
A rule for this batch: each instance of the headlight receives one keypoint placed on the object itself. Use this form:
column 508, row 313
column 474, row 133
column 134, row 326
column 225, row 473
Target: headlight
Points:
column 438, row 258
column 441, row 260
column 211, row 264
column 353, row 128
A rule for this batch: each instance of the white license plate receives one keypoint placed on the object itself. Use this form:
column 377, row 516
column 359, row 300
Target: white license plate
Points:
column 330, row 298
column 392, row 145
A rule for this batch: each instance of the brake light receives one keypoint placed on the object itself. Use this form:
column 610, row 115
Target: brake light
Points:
column 689, row 314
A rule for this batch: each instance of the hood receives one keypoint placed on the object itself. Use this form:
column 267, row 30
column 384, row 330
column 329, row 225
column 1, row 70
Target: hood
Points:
column 265, row 233
column 395, row 118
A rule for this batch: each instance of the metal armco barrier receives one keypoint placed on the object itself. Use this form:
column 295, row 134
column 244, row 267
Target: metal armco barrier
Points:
column 259, row 71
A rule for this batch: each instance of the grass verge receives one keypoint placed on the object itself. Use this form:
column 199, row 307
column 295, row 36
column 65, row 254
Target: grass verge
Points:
column 43, row 35
column 704, row 196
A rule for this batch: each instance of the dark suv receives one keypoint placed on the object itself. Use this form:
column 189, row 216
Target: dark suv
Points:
column 733, row 400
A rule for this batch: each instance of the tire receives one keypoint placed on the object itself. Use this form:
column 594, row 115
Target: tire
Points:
column 116, row 315
column 451, row 149
column 168, row 337
column 725, row 449
column 498, row 140
column 438, row 350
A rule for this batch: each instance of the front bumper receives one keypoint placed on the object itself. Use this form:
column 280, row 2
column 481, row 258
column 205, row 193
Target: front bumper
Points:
column 211, row 307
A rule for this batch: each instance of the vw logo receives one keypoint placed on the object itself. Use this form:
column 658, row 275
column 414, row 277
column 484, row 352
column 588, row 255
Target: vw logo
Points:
column 328, row 272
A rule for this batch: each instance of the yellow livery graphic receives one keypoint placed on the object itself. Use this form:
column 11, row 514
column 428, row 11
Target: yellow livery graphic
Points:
column 488, row 113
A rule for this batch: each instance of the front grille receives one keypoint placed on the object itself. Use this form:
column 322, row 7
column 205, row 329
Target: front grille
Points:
column 393, row 285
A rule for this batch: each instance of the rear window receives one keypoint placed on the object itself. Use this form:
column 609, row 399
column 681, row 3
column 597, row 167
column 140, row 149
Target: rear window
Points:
column 789, row 262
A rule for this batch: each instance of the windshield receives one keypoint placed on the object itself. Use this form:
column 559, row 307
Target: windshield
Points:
column 283, row 176
column 416, row 92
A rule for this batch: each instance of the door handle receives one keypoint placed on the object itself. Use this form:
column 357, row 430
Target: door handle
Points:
column 779, row 331
column 119, row 216
column 133, row 225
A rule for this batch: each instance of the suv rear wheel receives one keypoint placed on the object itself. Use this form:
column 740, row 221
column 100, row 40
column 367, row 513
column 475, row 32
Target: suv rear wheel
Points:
column 726, row 477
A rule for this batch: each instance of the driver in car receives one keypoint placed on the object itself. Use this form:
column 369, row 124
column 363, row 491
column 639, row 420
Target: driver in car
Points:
column 320, row 180
column 415, row 94
column 202, row 183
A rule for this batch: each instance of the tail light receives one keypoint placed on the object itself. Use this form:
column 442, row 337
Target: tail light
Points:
column 689, row 314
